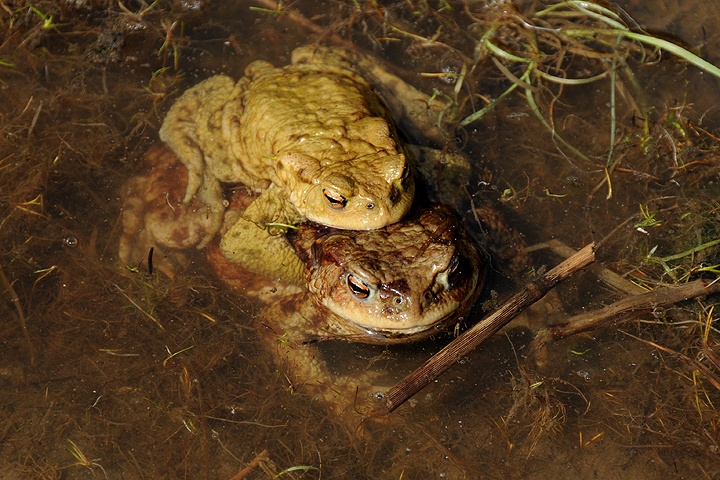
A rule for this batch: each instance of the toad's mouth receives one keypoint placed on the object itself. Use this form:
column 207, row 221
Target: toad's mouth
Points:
column 401, row 335
column 378, row 326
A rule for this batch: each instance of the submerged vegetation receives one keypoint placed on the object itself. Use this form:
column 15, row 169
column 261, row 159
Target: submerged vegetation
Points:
column 591, row 128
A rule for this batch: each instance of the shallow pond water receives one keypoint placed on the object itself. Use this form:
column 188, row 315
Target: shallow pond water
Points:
column 110, row 371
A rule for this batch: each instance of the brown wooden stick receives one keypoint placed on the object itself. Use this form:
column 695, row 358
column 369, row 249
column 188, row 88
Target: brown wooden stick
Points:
column 261, row 457
column 469, row 340
column 660, row 297
column 303, row 21
column 604, row 274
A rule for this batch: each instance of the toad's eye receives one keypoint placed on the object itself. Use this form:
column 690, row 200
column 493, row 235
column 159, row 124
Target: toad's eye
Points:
column 454, row 270
column 334, row 199
column 405, row 174
column 453, row 274
column 357, row 287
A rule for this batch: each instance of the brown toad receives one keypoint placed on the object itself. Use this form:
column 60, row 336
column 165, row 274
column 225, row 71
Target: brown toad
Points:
column 402, row 283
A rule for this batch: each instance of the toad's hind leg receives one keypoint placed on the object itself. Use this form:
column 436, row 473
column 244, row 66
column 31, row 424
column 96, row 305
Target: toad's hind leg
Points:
column 412, row 108
column 445, row 174
column 287, row 327
column 252, row 243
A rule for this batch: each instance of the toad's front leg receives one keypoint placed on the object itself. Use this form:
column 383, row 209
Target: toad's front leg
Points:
column 252, row 243
column 290, row 328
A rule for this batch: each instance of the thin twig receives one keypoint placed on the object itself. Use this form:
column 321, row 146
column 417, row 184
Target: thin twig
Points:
column 465, row 343
column 6, row 285
column 136, row 305
column 623, row 308
column 709, row 374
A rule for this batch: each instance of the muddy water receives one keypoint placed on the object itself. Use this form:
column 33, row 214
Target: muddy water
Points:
column 110, row 371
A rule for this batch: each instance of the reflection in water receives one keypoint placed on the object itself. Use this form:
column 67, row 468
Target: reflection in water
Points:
column 109, row 370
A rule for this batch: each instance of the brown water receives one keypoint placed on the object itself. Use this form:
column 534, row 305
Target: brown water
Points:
column 110, row 372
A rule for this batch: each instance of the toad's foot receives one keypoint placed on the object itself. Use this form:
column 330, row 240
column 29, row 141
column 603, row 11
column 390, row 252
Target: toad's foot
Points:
column 445, row 173
column 506, row 245
column 246, row 283
column 155, row 216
